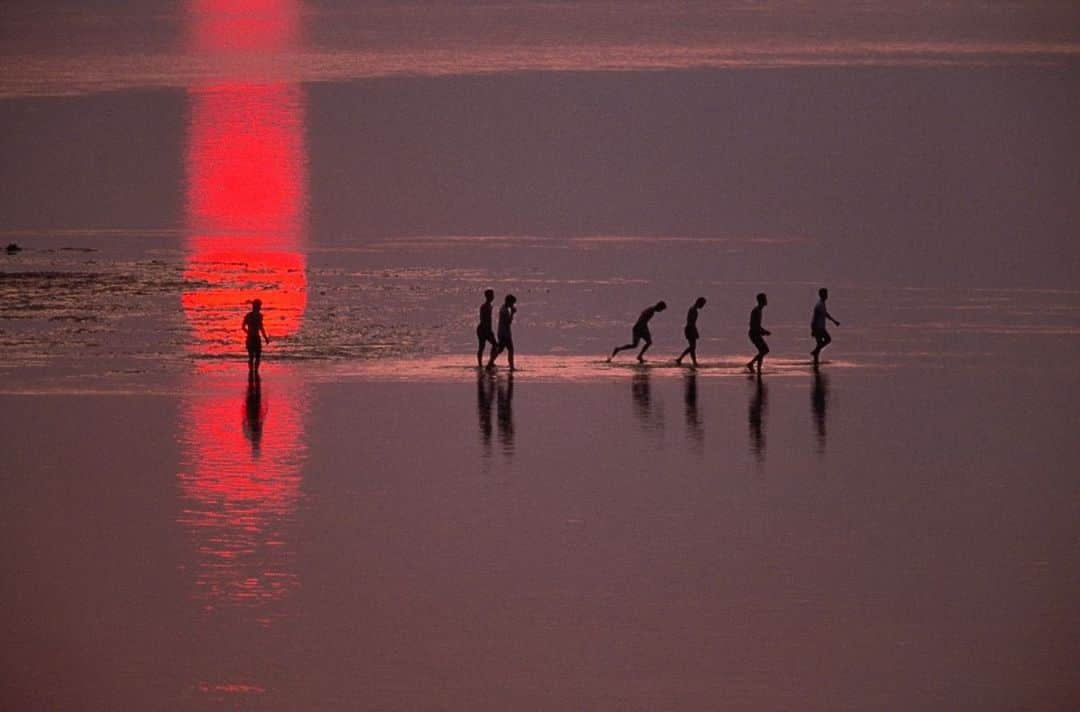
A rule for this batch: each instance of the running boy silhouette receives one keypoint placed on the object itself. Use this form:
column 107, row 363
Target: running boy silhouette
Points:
column 641, row 332
column 484, row 333
column 253, row 326
column 817, row 324
column 691, row 332
column 757, row 331
column 506, row 338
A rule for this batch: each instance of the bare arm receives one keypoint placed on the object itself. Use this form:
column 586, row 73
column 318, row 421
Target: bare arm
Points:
column 263, row 330
column 830, row 317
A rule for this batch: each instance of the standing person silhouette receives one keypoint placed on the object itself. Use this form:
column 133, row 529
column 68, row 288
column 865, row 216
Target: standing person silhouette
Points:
column 691, row 333
column 641, row 332
column 484, row 333
column 253, row 326
column 817, row 324
column 757, row 331
column 506, row 338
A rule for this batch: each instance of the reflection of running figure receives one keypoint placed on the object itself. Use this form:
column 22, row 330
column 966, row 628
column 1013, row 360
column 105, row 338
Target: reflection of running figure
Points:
column 817, row 324
column 641, row 332
column 757, row 332
column 691, row 333
column 484, row 333
column 506, row 338
column 253, row 326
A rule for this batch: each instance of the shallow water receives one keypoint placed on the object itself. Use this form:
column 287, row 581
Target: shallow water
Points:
column 376, row 524
column 852, row 538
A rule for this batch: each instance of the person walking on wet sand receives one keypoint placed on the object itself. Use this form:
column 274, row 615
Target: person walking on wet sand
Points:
column 641, row 332
column 506, row 338
column 484, row 333
column 253, row 327
column 757, row 331
column 691, row 333
column 817, row 324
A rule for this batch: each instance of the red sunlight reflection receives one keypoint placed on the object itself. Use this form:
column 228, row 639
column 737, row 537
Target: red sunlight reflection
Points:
column 246, row 203
column 241, row 487
column 243, row 25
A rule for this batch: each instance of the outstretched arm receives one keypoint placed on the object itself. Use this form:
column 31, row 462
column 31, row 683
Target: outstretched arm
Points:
column 830, row 316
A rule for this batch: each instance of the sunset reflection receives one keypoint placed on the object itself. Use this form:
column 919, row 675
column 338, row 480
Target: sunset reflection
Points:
column 246, row 204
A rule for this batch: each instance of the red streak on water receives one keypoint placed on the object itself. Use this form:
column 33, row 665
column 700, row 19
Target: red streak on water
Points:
column 246, row 208
column 246, row 205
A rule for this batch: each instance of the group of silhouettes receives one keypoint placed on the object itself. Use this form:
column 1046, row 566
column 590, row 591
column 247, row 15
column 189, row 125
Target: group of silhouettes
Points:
column 502, row 338
column 640, row 331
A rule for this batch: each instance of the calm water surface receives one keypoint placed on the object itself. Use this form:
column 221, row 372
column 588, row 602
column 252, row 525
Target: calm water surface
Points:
column 376, row 525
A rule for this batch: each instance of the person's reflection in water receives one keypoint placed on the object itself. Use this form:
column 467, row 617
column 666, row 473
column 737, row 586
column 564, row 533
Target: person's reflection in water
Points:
column 819, row 401
column 641, row 391
column 504, row 399
column 253, row 413
column 755, row 417
column 485, row 395
column 694, row 429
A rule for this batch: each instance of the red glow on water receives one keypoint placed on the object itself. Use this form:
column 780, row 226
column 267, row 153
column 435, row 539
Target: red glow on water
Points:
column 241, row 486
column 245, row 160
column 246, row 194
column 243, row 25
column 246, row 207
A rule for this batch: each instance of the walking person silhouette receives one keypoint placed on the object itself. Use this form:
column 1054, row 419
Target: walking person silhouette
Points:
column 817, row 324
column 253, row 326
column 506, row 337
column 641, row 332
column 691, row 332
column 484, row 333
column 756, row 332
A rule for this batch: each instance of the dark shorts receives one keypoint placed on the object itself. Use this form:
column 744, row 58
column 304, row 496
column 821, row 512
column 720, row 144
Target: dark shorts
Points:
column 758, row 340
column 485, row 335
column 642, row 334
column 506, row 342
column 254, row 347
column 820, row 335
column 690, row 333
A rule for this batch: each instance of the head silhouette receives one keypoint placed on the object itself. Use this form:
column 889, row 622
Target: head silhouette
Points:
column 489, row 295
column 762, row 299
column 823, row 293
column 256, row 304
column 700, row 302
column 511, row 299
column 660, row 306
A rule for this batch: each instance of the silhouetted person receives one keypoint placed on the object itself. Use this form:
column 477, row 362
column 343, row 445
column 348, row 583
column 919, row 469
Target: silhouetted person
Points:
column 691, row 333
column 505, row 401
column 485, row 394
column 506, row 337
column 819, row 401
column 253, row 414
column 253, row 327
column 693, row 416
column 817, row 324
column 757, row 333
column 755, row 416
column 484, row 333
column 641, row 332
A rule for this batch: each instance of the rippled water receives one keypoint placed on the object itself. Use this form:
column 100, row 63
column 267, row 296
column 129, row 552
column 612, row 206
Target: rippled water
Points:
column 374, row 523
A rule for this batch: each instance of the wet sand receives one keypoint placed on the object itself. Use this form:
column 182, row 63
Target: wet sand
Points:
column 654, row 539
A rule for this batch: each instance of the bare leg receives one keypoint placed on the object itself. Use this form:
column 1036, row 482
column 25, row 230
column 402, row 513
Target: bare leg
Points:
column 641, row 354
column 510, row 357
column 624, row 347
column 687, row 350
